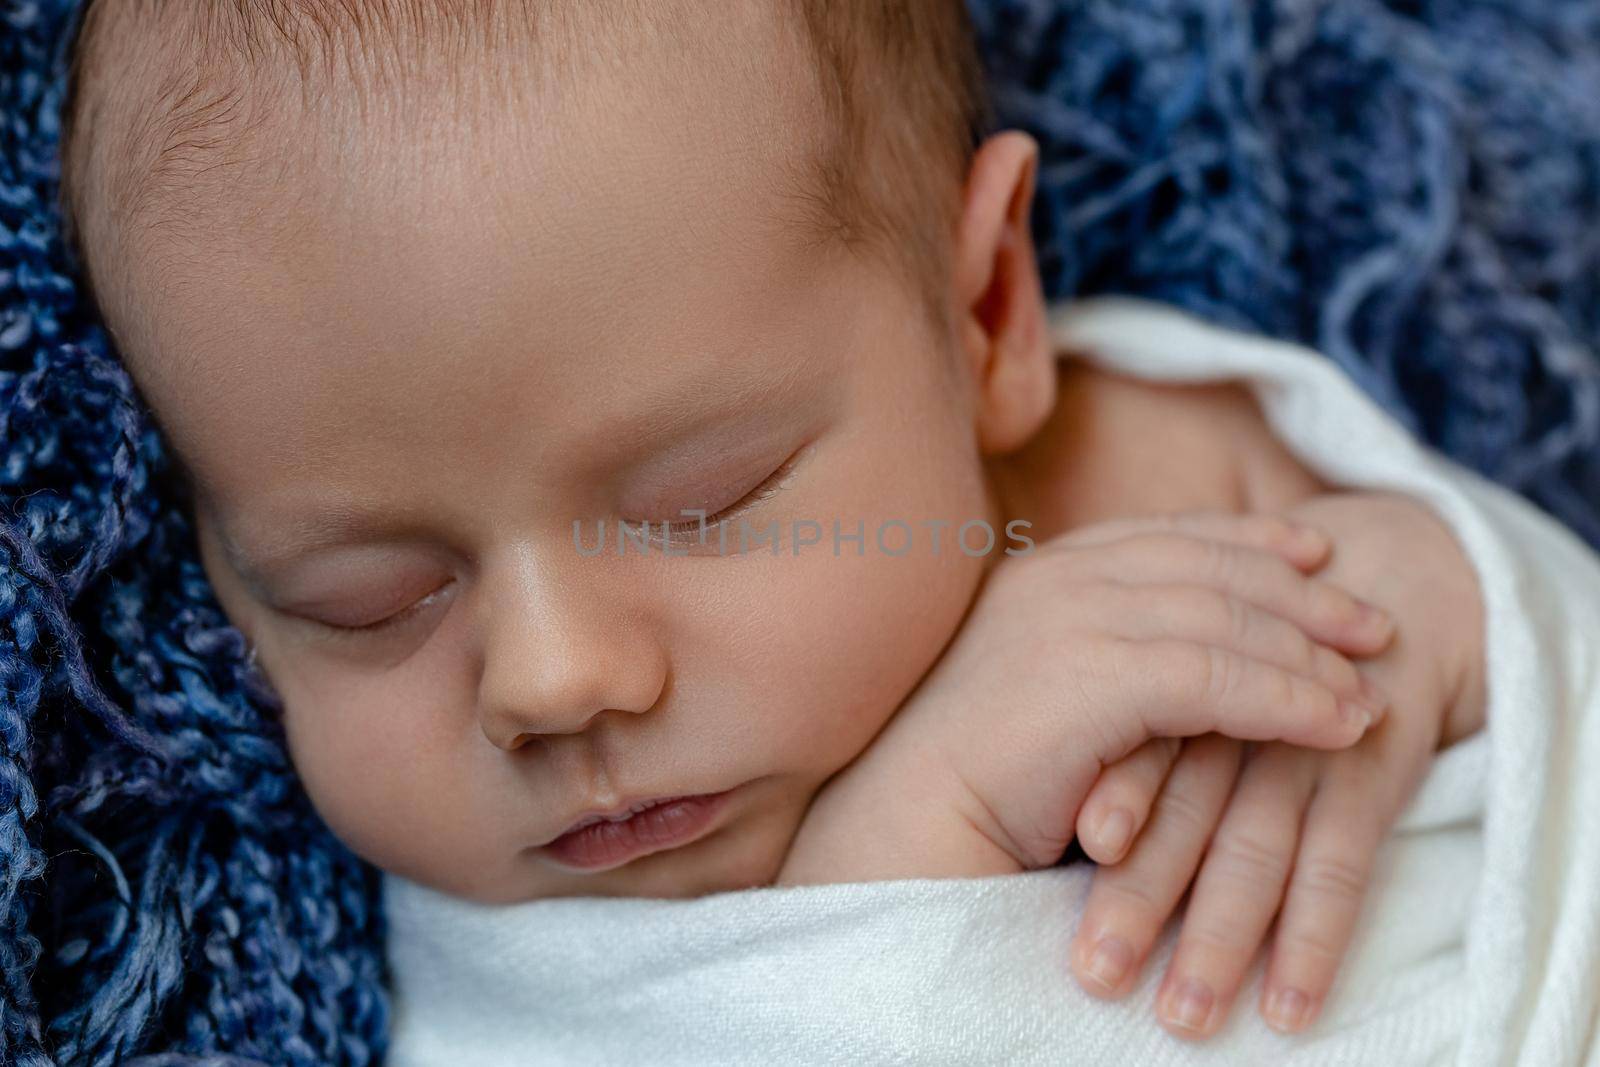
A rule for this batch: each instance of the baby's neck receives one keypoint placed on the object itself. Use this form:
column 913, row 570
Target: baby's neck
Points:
column 1119, row 447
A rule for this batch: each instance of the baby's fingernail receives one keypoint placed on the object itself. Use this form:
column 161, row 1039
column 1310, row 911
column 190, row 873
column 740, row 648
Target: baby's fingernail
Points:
column 1108, row 963
column 1116, row 828
column 1310, row 540
column 1374, row 698
column 1373, row 618
column 1189, row 1005
column 1288, row 1010
column 1359, row 715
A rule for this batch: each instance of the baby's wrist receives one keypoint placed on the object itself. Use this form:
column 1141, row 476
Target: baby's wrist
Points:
column 888, row 816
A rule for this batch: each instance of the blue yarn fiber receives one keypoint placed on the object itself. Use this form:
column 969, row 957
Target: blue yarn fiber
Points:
column 1411, row 187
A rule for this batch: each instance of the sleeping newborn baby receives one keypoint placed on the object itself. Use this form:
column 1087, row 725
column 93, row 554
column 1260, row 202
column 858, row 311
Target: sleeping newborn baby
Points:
column 629, row 436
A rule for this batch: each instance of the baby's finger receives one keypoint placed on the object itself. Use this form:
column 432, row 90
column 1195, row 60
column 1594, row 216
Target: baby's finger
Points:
column 1130, row 902
column 1204, row 615
column 1239, row 890
column 1303, row 545
column 1343, row 830
column 1182, row 689
column 1326, row 612
column 1120, row 801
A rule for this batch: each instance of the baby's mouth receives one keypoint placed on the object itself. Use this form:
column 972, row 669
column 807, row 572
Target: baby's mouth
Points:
column 622, row 816
column 603, row 841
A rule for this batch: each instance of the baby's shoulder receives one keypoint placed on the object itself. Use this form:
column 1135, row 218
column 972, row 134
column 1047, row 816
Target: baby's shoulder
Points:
column 1120, row 446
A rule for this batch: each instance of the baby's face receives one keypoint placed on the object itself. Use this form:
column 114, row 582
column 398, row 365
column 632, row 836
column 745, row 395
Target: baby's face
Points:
column 400, row 382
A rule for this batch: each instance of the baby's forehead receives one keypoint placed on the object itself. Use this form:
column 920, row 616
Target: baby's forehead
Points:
column 646, row 129
column 177, row 107
column 197, row 123
column 396, row 299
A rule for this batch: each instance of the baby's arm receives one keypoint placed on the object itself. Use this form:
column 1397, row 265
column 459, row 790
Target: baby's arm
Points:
column 1071, row 658
column 1285, row 832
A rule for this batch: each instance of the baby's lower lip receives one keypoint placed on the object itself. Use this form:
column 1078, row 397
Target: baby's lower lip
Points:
column 604, row 845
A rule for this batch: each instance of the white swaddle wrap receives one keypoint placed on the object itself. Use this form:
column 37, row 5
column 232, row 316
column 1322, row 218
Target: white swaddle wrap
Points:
column 1479, row 943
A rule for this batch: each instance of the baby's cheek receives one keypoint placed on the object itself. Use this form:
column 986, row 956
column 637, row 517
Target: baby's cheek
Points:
column 372, row 778
column 886, row 622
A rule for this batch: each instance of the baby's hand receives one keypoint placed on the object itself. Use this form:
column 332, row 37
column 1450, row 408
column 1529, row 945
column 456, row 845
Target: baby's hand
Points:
column 1299, row 830
column 1074, row 656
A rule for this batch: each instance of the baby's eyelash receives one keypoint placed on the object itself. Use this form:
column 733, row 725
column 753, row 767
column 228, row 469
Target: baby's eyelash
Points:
column 388, row 622
column 769, row 487
column 762, row 492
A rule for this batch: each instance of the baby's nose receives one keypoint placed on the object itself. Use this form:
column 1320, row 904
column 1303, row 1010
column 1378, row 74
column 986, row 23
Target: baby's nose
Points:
column 553, row 672
column 562, row 684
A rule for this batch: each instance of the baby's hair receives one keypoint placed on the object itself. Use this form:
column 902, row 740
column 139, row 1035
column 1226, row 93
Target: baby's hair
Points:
column 165, row 94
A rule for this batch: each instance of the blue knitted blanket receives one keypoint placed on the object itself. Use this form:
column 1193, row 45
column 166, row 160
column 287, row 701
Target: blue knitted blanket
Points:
column 1410, row 186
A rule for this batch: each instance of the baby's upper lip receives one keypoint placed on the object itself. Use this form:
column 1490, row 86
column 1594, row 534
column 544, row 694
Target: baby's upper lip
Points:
column 618, row 812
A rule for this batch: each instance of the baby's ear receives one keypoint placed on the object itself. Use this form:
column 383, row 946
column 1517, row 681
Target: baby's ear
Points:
column 1004, row 331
